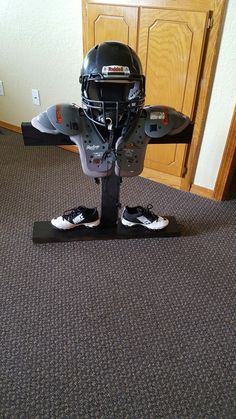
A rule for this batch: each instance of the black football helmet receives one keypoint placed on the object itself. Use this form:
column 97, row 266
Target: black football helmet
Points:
column 113, row 86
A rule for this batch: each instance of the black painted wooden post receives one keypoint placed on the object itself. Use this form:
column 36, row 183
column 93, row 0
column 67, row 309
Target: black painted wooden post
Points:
column 110, row 200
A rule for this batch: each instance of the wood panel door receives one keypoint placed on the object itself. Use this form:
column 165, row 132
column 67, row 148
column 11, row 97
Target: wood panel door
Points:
column 112, row 23
column 170, row 48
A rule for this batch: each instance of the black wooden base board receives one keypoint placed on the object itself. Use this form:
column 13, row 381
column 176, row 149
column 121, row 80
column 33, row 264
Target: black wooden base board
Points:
column 44, row 232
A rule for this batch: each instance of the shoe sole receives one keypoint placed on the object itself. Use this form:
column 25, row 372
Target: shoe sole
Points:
column 90, row 225
column 130, row 224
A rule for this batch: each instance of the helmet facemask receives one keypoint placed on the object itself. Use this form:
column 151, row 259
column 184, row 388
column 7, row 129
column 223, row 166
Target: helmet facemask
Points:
column 110, row 102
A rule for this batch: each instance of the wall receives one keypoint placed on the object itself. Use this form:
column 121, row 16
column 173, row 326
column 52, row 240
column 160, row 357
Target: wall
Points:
column 223, row 100
column 41, row 47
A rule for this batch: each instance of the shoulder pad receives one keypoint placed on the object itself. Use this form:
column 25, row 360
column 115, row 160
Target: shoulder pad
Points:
column 130, row 150
column 162, row 120
column 96, row 158
column 42, row 124
column 65, row 118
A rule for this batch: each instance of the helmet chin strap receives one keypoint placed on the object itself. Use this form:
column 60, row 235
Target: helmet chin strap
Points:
column 111, row 145
column 110, row 124
column 110, row 128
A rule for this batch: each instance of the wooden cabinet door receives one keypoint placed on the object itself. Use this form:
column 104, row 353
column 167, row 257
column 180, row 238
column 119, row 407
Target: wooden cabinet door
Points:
column 170, row 48
column 112, row 23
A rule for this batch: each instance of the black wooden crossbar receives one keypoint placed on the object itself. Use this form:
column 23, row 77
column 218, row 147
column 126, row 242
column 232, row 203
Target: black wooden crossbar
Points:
column 33, row 137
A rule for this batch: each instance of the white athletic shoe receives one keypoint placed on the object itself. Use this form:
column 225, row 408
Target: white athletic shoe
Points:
column 144, row 217
column 76, row 217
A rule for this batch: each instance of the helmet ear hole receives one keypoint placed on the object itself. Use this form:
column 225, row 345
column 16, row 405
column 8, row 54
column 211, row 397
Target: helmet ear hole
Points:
column 113, row 86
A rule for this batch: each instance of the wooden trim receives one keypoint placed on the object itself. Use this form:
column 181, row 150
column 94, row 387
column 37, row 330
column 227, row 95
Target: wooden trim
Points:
column 204, row 192
column 161, row 177
column 175, row 182
column 72, row 148
column 202, row 5
column 228, row 163
column 85, row 26
column 205, row 87
column 11, row 127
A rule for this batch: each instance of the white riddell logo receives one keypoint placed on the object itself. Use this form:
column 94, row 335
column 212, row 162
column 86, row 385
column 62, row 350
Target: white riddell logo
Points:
column 115, row 68
column 78, row 218
column 109, row 69
column 92, row 147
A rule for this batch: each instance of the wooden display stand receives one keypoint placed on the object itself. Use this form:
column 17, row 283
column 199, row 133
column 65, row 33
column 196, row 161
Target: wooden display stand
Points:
column 110, row 227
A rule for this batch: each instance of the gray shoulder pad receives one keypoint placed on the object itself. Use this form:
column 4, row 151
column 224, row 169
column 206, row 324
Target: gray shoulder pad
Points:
column 181, row 121
column 42, row 124
column 65, row 118
column 162, row 120
column 130, row 151
column 96, row 159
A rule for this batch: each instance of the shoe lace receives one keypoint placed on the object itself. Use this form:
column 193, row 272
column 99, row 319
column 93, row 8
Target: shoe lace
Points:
column 147, row 212
column 71, row 212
